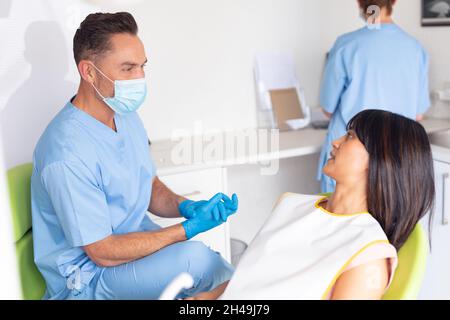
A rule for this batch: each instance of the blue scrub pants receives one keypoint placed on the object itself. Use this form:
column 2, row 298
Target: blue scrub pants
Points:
column 146, row 278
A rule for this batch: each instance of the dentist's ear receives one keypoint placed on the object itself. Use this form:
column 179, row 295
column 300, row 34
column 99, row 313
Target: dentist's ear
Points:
column 86, row 71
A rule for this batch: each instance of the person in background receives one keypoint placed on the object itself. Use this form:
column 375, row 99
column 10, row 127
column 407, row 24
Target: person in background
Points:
column 378, row 66
column 94, row 181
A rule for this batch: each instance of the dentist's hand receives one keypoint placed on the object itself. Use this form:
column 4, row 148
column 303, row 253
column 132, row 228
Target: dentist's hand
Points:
column 188, row 208
column 209, row 214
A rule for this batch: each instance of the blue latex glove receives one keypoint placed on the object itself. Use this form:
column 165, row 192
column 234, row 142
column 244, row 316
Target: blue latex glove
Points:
column 231, row 204
column 227, row 206
column 188, row 208
column 209, row 214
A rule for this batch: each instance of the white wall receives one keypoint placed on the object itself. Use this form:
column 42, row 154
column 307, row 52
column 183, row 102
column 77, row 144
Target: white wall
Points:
column 200, row 51
column 201, row 57
column 37, row 72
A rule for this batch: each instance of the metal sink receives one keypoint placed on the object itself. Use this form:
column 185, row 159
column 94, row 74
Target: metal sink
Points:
column 440, row 138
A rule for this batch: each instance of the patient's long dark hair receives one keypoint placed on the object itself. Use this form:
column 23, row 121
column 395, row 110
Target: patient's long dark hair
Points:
column 400, row 188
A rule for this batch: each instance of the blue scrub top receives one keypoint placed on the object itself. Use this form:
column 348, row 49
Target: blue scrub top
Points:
column 381, row 68
column 88, row 183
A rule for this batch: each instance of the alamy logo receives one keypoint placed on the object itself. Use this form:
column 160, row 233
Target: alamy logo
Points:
column 251, row 146
column 373, row 17
column 74, row 280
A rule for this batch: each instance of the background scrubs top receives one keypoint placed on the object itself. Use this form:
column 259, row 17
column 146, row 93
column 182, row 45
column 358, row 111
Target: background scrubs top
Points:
column 369, row 68
column 88, row 183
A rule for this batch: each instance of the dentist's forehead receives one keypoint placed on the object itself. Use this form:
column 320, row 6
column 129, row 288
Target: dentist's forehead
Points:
column 127, row 49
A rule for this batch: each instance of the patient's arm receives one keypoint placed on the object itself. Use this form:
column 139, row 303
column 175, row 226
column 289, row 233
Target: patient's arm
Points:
column 365, row 282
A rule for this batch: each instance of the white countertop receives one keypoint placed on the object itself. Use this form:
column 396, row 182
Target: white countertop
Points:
column 433, row 125
column 291, row 144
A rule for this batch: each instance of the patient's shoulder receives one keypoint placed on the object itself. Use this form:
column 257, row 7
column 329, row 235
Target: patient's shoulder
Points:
column 364, row 282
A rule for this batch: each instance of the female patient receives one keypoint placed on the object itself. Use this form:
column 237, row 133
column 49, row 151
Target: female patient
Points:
column 343, row 246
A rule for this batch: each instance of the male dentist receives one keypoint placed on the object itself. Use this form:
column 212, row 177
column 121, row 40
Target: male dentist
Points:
column 94, row 181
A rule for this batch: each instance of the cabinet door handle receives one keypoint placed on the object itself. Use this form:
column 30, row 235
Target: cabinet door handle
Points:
column 445, row 209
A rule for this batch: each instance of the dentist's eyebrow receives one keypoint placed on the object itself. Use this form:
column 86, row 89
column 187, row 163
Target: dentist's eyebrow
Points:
column 133, row 64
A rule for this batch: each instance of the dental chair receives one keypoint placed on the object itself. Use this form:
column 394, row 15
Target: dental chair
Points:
column 33, row 285
column 412, row 259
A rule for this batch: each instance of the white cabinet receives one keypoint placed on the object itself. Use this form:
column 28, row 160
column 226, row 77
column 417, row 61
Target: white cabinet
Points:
column 200, row 185
column 436, row 283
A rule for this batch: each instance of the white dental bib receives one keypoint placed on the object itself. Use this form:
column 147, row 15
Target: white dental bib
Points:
column 301, row 251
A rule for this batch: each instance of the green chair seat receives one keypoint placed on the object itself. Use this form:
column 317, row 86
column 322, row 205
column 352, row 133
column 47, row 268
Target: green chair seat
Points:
column 19, row 180
column 33, row 285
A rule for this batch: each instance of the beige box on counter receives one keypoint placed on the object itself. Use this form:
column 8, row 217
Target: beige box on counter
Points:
column 286, row 106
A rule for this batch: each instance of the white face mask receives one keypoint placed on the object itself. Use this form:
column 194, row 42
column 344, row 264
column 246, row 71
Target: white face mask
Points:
column 129, row 95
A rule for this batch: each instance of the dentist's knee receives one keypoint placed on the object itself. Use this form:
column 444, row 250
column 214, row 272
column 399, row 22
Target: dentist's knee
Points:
column 202, row 262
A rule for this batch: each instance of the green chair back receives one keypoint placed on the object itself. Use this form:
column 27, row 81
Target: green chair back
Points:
column 412, row 259
column 33, row 285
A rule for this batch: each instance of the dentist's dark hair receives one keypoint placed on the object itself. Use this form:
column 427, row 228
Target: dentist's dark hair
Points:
column 388, row 4
column 92, row 38
column 400, row 188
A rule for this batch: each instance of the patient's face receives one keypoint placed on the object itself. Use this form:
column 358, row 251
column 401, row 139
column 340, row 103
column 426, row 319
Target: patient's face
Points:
column 349, row 160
